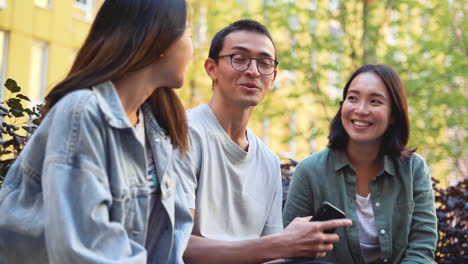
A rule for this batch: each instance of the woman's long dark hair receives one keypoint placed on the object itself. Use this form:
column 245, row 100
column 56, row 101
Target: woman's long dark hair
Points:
column 127, row 36
column 395, row 139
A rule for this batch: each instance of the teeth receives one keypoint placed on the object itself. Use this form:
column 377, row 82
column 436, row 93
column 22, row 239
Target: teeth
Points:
column 360, row 123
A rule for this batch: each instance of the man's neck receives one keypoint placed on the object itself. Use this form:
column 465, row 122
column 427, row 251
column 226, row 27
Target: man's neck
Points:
column 233, row 119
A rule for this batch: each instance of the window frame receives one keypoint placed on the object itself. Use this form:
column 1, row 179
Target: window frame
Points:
column 43, row 68
column 4, row 60
column 47, row 6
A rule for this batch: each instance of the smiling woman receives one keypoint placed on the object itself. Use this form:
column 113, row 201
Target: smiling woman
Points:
column 368, row 172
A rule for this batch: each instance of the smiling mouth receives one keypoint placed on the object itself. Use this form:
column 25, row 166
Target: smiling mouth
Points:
column 250, row 86
column 361, row 123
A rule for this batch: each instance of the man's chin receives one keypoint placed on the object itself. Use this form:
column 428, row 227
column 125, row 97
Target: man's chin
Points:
column 250, row 103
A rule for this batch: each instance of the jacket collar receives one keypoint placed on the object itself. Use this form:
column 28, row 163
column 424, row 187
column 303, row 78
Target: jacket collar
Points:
column 341, row 161
column 150, row 120
column 109, row 103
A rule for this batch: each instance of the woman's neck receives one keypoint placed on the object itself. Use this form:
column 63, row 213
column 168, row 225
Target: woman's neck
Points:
column 364, row 156
column 366, row 162
column 133, row 90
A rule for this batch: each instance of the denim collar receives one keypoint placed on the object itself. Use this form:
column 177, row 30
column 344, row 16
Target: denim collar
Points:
column 109, row 102
column 151, row 121
column 341, row 161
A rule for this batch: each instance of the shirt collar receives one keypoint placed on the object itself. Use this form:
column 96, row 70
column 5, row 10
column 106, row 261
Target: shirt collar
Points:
column 150, row 120
column 341, row 160
column 109, row 102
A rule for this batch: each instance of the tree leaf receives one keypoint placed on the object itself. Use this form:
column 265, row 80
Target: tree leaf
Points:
column 29, row 129
column 14, row 104
column 12, row 86
column 36, row 121
column 17, row 113
column 24, row 97
column 7, row 143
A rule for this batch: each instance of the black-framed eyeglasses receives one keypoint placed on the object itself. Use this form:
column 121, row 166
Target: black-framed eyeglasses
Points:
column 241, row 63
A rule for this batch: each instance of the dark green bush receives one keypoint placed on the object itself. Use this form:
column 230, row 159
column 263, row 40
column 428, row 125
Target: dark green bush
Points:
column 452, row 215
column 18, row 122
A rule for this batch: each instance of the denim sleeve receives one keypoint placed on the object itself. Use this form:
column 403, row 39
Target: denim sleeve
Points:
column 77, row 226
column 77, row 196
column 182, row 227
column 423, row 235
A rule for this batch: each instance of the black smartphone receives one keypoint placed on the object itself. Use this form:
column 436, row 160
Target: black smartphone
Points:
column 328, row 211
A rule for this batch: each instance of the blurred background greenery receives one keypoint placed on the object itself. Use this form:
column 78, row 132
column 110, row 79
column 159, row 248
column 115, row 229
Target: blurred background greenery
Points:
column 320, row 43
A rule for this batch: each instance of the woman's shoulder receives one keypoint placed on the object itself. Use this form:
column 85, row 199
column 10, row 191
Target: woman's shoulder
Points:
column 414, row 161
column 317, row 161
column 78, row 100
column 76, row 107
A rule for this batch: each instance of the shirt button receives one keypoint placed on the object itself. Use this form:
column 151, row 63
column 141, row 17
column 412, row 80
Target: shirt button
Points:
column 377, row 204
column 385, row 260
column 382, row 231
column 157, row 140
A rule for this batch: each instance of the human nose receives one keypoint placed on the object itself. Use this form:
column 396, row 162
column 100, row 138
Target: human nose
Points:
column 362, row 108
column 253, row 69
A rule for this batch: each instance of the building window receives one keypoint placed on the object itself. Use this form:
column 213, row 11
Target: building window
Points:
column 43, row 3
column 38, row 71
column 86, row 6
column 3, row 59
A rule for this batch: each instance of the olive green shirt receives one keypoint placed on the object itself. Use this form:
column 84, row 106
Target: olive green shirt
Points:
column 403, row 206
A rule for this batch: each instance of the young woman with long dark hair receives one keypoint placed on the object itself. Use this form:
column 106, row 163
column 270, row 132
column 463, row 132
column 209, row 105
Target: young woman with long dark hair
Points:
column 95, row 182
column 368, row 172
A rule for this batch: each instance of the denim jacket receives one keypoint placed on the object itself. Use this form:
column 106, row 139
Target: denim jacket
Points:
column 78, row 192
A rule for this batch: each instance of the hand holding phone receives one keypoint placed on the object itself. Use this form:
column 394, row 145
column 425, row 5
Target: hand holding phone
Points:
column 328, row 211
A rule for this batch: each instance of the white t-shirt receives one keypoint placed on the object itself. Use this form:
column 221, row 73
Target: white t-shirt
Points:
column 236, row 194
column 368, row 237
column 151, row 171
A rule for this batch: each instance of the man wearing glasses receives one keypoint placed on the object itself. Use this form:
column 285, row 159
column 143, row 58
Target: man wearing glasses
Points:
column 231, row 179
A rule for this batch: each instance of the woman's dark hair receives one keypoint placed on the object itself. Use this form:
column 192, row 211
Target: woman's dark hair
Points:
column 396, row 137
column 217, row 42
column 127, row 36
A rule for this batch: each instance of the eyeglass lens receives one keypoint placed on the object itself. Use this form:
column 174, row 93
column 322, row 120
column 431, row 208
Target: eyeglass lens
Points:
column 241, row 63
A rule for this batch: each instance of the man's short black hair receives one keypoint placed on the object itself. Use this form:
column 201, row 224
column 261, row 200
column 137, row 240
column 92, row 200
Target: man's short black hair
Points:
column 244, row 24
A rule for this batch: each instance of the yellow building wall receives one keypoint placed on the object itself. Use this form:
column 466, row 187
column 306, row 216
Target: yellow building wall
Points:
column 62, row 25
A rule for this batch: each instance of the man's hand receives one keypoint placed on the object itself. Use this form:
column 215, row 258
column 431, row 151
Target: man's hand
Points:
column 306, row 239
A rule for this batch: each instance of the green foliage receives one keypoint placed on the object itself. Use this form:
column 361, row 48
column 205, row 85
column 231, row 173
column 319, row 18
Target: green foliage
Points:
column 320, row 43
column 18, row 122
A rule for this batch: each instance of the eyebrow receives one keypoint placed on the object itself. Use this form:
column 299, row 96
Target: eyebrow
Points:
column 262, row 54
column 372, row 94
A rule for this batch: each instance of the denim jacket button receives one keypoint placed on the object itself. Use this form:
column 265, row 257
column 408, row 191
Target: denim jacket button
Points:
column 168, row 183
